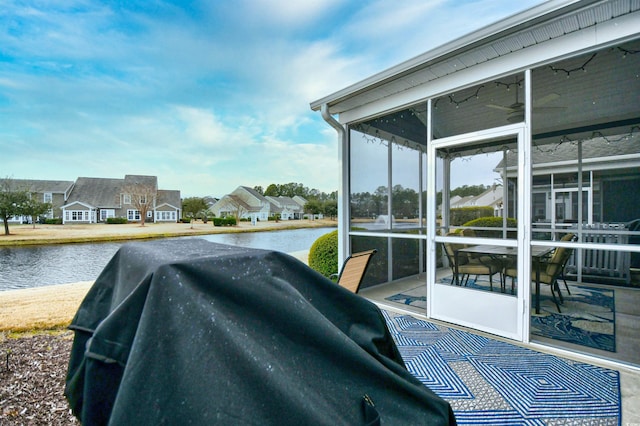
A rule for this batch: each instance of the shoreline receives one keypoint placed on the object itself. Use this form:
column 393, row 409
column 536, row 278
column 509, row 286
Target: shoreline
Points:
column 26, row 235
column 51, row 307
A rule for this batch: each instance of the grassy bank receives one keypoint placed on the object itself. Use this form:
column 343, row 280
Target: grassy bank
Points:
column 24, row 235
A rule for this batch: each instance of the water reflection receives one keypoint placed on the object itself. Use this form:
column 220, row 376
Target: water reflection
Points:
column 23, row 267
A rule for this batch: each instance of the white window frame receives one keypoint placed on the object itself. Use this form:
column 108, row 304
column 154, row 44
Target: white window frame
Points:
column 77, row 215
column 133, row 214
column 126, row 199
column 106, row 214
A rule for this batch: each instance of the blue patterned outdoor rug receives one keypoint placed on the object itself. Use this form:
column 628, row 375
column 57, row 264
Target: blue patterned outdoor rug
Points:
column 491, row 382
column 587, row 317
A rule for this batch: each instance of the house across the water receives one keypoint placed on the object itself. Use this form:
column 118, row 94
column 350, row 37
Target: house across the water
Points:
column 94, row 200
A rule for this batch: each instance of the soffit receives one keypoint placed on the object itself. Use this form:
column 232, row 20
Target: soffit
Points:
column 546, row 22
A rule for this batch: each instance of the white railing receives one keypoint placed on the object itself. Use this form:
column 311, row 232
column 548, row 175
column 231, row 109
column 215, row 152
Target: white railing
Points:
column 603, row 263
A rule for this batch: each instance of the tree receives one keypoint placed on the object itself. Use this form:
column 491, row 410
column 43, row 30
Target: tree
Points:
column 234, row 204
column 331, row 208
column 35, row 208
column 12, row 201
column 272, row 191
column 313, row 207
column 142, row 198
column 192, row 207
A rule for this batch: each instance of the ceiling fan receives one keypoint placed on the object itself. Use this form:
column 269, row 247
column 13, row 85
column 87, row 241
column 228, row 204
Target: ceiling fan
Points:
column 516, row 109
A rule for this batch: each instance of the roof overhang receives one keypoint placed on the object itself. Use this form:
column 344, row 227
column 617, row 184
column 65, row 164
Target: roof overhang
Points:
column 547, row 21
column 88, row 206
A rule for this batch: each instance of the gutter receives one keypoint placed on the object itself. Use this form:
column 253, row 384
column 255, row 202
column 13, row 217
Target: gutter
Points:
column 343, row 170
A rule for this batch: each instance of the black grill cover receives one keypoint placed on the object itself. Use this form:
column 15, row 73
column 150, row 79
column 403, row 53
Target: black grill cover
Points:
column 186, row 331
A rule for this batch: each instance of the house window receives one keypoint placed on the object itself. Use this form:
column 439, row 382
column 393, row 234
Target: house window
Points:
column 126, row 199
column 143, row 199
column 133, row 214
column 166, row 216
column 76, row 216
column 149, row 214
column 48, row 197
column 107, row 213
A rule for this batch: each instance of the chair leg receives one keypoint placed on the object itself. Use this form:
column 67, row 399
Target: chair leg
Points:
column 490, row 282
column 566, row 285
column 557, row 286
column 555, row 300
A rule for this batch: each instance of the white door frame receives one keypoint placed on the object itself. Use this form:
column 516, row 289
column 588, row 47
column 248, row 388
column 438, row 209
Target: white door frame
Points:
column 493, row 312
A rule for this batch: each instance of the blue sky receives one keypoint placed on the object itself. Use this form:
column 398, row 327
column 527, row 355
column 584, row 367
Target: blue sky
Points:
column 207, row 95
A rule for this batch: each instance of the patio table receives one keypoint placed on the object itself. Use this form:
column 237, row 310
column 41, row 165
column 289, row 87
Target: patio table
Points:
column 537, row 254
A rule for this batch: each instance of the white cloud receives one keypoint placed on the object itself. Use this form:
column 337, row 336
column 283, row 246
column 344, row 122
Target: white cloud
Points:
column 207, row 96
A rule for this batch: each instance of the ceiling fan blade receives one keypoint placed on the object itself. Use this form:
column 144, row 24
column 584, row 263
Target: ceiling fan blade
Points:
column 546, row 99
column 548, row 109
column 501, row 107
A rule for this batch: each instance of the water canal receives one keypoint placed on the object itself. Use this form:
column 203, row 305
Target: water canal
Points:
column 36, row 266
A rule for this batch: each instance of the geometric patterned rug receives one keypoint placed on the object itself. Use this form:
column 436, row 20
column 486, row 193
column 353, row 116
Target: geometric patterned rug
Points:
column 491, row 382
column 587, row 317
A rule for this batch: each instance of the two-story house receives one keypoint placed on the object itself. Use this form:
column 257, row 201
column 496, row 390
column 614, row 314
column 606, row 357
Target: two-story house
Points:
column 54, row 192
column 247, row 203
column 95, row 200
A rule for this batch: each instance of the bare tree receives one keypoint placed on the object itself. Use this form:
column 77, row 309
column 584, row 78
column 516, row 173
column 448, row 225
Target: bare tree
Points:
column 142, row 198
column 235, row 205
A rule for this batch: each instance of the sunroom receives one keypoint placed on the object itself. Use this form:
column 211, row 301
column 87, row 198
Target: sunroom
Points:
column 544, row 108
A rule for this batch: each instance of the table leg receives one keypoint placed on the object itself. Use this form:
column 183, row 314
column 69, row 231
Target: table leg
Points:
column 455, row 257
column 538, row 286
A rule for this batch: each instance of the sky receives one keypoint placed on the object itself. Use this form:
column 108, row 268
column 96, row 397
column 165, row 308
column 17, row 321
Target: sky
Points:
column 206, row 95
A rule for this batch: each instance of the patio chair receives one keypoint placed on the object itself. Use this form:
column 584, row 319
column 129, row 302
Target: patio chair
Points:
column 353, row 270
column 550, row 271
column 471, row 265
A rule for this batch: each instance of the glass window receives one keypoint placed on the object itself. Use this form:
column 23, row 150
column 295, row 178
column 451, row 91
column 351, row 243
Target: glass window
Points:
column 133, row 214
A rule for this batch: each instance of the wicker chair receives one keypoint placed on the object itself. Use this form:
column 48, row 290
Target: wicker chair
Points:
column 550, row 271
column 468, row 265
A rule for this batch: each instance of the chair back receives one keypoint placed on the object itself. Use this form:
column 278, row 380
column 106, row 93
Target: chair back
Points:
column 560, row 258
column 353, row 270
column 450, row 250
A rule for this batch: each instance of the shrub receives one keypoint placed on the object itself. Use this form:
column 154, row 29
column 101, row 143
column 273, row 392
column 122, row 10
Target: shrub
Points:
column 323, row 254
column 224, row 221
column 56, row 221
column 461, row 215
column 117, row 220
column 492, row 222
